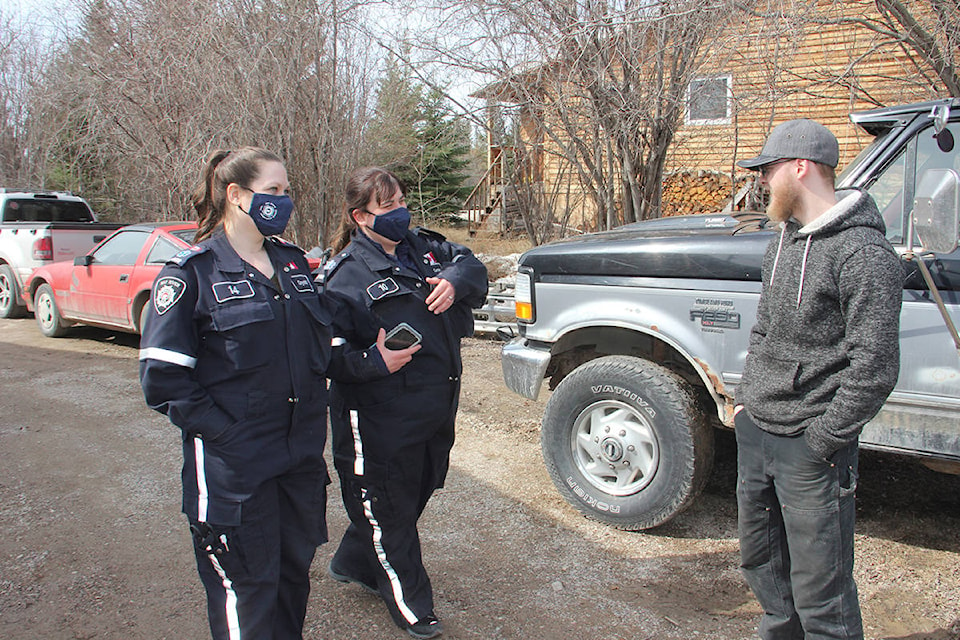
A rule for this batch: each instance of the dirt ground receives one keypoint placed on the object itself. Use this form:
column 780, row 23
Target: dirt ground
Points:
column 92, row 544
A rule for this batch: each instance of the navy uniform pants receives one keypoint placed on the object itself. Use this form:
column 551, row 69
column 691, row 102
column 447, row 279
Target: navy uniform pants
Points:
column 257, row 574
column 381, row 547
column 796, row 521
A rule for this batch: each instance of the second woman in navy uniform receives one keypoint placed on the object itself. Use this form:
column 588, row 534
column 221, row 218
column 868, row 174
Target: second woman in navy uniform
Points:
column 392, row 436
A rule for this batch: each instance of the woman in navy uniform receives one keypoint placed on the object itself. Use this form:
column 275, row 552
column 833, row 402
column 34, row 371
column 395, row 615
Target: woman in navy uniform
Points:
column 234, row 350
column 392, row 437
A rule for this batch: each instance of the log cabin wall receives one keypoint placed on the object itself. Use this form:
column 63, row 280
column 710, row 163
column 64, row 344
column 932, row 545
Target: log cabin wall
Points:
column 774, row 70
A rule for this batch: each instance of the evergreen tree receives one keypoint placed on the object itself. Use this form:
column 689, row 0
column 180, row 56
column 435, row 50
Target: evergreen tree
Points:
column 437, row 174
column 414, row 134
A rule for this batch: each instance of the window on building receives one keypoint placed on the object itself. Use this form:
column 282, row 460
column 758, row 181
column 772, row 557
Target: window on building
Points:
column 708, row 101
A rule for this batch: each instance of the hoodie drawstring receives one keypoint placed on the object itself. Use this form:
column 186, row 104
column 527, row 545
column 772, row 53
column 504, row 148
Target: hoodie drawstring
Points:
column 773, row 273
column 803, row 269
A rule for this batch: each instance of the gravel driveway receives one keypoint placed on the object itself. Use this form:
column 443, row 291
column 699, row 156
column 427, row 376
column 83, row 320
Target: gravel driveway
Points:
column 92, row 544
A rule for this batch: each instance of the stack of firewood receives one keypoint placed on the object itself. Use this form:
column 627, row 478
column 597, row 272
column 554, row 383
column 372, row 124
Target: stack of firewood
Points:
column 697, row 191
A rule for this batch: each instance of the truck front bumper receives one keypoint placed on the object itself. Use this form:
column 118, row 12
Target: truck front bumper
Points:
column 524, row 365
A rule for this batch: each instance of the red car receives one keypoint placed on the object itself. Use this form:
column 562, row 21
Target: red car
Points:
column 110, row 286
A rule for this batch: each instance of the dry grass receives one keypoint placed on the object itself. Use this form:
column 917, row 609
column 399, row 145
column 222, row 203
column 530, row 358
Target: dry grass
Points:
column 487, row 244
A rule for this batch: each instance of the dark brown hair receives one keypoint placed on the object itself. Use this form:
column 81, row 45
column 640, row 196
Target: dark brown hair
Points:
column 362, row 185
column 241, row 166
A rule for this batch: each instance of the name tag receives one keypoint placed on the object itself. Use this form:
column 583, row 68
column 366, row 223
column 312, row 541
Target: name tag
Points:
column 382, row 288
column 224, row 291
column 301, row 282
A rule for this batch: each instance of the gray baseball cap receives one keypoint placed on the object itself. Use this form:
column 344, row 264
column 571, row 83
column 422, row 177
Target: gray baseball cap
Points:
column 801, row 138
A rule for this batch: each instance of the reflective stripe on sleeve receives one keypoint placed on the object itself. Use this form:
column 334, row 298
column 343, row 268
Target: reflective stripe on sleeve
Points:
column 338, row 342
column 165, row 355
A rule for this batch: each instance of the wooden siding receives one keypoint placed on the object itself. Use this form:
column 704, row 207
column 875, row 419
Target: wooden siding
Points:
column 778, row 71
column 806, row 75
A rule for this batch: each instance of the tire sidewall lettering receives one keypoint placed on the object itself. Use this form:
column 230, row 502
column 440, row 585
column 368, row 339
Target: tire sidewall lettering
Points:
column 623, row 393
column 588, row 499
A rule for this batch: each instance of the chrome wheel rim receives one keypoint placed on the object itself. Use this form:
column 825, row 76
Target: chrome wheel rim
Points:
column 615, row 447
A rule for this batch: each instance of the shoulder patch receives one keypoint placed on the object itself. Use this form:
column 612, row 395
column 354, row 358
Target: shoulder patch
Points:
column 430, row 234
column 167, row 292
column 280, row 242
column 382, row 288
column 186, row 254
column 332, row 263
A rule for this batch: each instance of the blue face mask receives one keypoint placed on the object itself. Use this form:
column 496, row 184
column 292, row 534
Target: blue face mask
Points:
column 392, row 225
column 270, row 213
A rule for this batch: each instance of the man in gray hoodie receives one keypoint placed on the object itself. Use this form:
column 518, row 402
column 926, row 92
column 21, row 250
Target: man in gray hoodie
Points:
column 823, row 357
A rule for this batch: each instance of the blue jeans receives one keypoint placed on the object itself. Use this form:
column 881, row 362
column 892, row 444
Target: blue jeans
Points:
column 796, row 521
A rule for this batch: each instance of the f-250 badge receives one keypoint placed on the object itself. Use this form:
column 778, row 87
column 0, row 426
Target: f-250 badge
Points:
column 718, row 314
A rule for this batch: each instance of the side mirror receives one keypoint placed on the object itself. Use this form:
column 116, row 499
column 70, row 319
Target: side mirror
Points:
column 940, row 114
column 83, row 261
column 936, row 210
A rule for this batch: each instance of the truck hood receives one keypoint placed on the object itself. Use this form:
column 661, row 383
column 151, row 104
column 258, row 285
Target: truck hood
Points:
column 710, row 246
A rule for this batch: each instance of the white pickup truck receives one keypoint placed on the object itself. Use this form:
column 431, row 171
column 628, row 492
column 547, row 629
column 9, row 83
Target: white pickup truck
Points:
column 39, row 227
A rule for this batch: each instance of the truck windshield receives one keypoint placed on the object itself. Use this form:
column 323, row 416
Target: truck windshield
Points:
column 36, row 210
column 857, row 164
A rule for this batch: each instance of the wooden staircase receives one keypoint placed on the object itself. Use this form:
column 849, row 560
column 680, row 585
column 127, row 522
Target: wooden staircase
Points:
column 492, row 206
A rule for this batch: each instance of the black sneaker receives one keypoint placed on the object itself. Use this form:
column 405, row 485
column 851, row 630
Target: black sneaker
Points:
column 343, row 577
column 426, row 627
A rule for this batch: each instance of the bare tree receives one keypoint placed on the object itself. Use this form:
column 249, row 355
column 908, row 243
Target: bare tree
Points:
column 23, row 56
column 600, row 89
column 149, row 87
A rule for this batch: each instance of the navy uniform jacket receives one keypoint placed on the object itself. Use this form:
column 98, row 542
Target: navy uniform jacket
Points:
column 416, row 401
column 237, row 361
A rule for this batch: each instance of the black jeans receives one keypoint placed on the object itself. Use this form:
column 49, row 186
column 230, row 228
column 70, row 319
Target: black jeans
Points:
column 796, row 521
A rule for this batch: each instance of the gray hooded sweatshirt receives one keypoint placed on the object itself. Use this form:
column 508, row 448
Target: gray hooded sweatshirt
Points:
column 825, row 352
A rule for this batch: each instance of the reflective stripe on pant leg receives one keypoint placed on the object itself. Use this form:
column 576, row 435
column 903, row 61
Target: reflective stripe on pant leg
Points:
column 395, row 586
column 233, row 616
column 357, row 443
column 202, row 493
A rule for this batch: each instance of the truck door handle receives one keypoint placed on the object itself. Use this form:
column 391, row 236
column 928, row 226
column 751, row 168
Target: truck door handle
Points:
column 124, row 277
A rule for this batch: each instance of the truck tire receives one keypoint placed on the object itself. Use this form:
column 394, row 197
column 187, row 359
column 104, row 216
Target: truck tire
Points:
column 48, row 316
column 10, row 306
column 626, row 443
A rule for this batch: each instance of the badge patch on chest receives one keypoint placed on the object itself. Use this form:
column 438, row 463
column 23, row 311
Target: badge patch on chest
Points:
column 224, row 291
column 382, row 288
column 166, row 293
column 301, row 282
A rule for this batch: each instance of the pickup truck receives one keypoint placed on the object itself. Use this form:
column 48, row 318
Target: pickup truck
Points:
column 37, row 228
column 642, row 331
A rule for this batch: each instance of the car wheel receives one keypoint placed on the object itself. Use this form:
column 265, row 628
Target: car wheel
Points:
column 626, row 443
column 48, row 316
column 10, row 306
